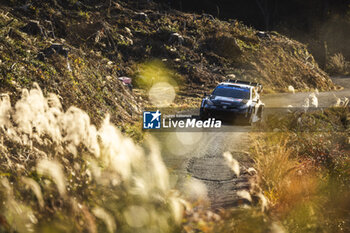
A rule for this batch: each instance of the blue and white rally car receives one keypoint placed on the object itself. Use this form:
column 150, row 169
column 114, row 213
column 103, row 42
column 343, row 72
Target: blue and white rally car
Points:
column 234, row 99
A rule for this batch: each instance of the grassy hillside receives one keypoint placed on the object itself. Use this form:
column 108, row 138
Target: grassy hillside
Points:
column 68, row 169
column 100, row 41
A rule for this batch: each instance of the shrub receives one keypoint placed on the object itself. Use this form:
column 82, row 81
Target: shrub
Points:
column 224, row 45
column 338, row 65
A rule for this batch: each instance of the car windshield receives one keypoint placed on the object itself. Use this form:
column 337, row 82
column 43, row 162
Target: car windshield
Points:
column 232, row 91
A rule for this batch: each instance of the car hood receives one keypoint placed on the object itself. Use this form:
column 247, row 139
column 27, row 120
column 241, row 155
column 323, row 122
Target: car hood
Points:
column 221, row 100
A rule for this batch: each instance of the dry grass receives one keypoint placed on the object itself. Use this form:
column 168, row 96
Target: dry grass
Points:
column 338, row 65
column 305, row 174
column 275, row 165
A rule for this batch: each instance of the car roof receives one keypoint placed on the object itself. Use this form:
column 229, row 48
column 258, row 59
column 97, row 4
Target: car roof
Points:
column 236, row 85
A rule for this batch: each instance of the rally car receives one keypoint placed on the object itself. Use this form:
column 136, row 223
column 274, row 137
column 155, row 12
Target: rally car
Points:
column 234, row 99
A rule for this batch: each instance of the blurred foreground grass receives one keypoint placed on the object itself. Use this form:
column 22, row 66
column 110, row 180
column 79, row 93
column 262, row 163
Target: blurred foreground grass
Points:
column 59, row 173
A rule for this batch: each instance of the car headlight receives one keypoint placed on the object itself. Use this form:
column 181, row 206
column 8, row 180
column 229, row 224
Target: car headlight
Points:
column 244, row 106
column 209, row 102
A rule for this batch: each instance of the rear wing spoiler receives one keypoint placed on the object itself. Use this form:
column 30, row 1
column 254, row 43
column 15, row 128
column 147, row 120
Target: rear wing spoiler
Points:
column 258, row 85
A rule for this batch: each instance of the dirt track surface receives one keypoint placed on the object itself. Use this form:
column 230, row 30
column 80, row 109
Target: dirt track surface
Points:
column 198, row 156
column 325, row 99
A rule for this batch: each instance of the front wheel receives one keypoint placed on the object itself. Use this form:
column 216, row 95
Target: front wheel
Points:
column 260, row 113
column 203, row 115
column 258, row 118
column 249, row 119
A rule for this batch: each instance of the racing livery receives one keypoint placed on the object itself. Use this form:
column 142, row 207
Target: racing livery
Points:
column 232, row 99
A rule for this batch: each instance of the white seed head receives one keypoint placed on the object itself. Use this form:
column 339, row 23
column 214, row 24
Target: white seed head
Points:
column 106, row 218
column 34, row 186
column 291, row 89
column 244, row 194
column 54, row 170
column 232, row 163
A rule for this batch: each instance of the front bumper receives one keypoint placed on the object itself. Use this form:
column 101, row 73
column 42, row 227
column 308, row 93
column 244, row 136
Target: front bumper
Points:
column 219, row 112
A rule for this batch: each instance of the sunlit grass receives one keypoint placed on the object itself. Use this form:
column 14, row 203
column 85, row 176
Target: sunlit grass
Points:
column 274, row 164
column 59, row 173
column 304, row 168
